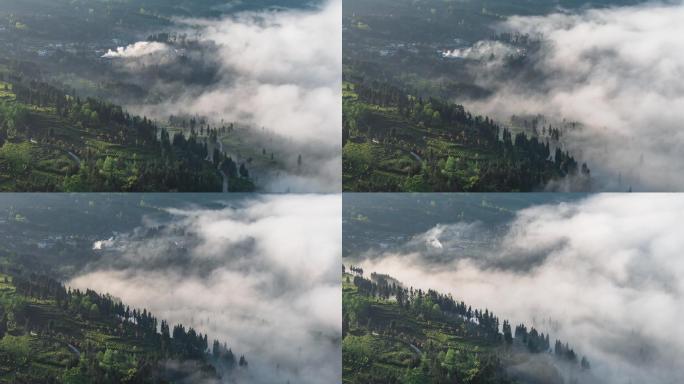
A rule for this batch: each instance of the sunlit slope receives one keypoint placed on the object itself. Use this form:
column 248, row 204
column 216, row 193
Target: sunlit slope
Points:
column 49, row 334
column 398, row 142
column 52, row 141
column 425, row 340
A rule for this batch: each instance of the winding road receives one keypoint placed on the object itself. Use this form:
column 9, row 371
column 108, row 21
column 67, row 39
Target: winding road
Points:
column 409, row 344
column 58, row 148
column 76, row 158
column 418, row 351
column 74, row 350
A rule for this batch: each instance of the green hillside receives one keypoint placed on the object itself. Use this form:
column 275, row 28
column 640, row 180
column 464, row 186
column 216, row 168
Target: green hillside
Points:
column 49, row 334
column 394, row 141
column 393, row 334
column 400, row 77
column 54, row 141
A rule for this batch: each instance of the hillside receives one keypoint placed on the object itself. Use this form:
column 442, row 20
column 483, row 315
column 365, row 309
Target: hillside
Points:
column 54, row 141
column 402, row 41
column 50, row 334
column 465, row 53
column 394, row 334
column 393, row 141
column 66, row 43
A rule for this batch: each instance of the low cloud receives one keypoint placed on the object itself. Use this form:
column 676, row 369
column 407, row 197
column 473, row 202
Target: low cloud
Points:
column 262, row 276
column 484, row 50
column 614, row 70
column 277, row 71
column 603, row 273
column 139, row 49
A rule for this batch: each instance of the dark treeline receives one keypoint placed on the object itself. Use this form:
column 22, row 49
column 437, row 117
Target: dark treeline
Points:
column 198, row 126
column 537, row 126
column 462, row 319
column 518, row 39
column 537, row 343
column 518, row 161
column 126, row 129
column 98, row 361
column 201, row 126
column 176, row 39
column 45, row 115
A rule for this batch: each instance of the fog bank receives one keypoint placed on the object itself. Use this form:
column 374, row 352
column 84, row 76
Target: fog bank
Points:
column 262, row 276
column 614, row 70
column 603, row 274
column 277, row 71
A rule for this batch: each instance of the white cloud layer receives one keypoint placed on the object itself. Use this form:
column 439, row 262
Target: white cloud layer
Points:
column 616, row 70
column 265, row 278
column 139, row 49
column 280, row 70
column 483, row 50
column 604, row 273
column 285, row 68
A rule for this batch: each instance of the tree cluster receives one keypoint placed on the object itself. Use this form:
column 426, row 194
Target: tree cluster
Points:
column 113, row 318
column 518, row 161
